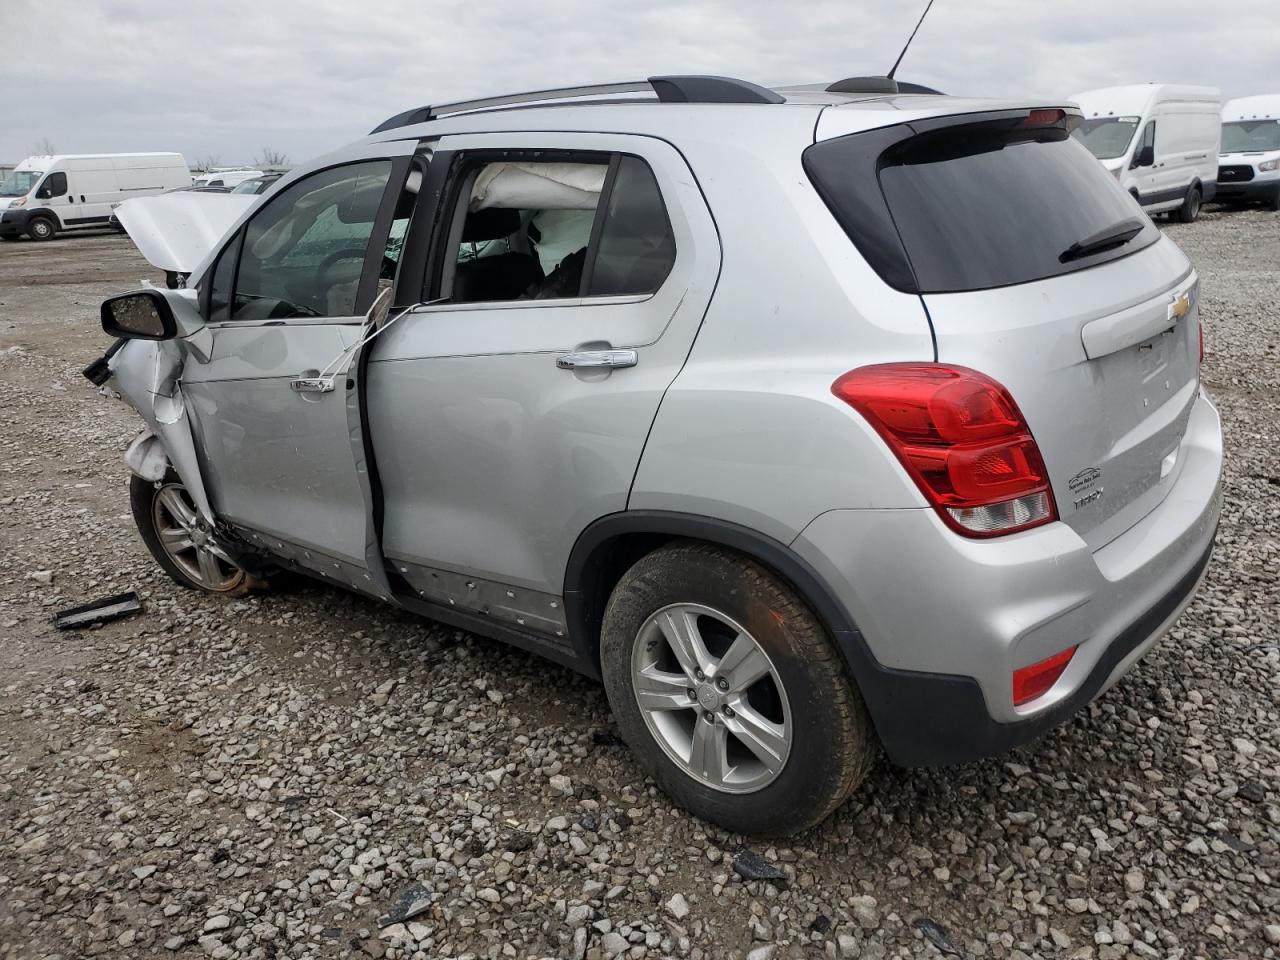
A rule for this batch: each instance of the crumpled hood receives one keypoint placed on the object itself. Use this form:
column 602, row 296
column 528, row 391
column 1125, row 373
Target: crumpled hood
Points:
column 176, row 231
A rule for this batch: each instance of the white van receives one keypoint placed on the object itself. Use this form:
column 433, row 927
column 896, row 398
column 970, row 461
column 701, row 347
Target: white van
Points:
column 225, row 178
column 45, row 195
column 1249, row 168
column 1160, row 140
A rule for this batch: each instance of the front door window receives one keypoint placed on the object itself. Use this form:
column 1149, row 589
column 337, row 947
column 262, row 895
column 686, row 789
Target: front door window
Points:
column 304, row 254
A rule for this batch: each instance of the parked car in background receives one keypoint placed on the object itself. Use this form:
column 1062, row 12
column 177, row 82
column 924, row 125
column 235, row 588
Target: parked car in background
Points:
column 1249, row 166
column 1159, row 140
column 811, row 420
column 257, row 184
column 224, row 178
column 46, row 195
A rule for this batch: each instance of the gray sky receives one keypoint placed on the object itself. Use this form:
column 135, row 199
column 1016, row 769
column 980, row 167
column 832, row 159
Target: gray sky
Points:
column 227, row 78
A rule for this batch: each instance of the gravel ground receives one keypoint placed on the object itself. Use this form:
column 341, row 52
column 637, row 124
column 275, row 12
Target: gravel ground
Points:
column 269, row 775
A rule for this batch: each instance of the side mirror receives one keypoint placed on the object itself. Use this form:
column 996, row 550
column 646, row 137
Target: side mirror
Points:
column 1145, row 157
column 141, row 315
column 43, row 193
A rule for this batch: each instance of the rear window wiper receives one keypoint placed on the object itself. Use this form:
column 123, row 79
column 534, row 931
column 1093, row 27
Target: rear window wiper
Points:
column 1116, row 235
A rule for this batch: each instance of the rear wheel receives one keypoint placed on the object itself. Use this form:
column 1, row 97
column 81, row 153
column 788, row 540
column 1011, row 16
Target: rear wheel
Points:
column 730, row 694
column 179, row 538
column 1190, row 209
column 41, row 228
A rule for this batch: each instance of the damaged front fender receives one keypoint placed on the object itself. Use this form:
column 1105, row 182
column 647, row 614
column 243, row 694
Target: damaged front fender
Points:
column 147, row 374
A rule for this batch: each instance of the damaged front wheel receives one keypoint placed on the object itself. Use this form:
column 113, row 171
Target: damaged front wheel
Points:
column 178, row 536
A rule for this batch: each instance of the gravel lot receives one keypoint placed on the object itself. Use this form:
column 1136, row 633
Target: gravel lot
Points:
column 266, row 776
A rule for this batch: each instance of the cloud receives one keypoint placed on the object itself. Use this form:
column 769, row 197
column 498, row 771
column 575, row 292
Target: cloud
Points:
column 229, row 77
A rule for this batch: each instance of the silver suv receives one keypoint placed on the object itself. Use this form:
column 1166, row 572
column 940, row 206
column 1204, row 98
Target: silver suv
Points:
column 813, row 421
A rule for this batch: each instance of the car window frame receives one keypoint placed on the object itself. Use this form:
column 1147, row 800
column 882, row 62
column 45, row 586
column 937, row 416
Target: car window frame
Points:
column 366, row 289
column 454, row 176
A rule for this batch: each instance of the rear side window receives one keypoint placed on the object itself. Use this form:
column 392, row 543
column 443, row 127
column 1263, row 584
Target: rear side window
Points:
column 977, row 205
column 584, row 227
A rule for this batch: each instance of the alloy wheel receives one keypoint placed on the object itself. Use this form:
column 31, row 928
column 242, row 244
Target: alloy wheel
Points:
column 187, row 541
column 711, row 698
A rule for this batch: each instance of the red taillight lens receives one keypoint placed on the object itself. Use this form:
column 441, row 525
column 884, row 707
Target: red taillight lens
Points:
column 1044, row 118
column 1200, row 327
column 1034, row 681
column 963, row 440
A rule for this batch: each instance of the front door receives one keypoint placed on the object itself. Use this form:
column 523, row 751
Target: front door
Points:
column 1145, row 179
column 55, row 194
column 272, row 406
column 577, row 268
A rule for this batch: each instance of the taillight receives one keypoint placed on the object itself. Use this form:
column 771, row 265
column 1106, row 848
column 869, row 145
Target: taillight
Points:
column 1034, row 681
column 1200, row 327
column 961, row 438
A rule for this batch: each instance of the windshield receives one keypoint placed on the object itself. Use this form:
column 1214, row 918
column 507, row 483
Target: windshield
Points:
column 1107, row 137
column 1244, row 136
column 20, row 182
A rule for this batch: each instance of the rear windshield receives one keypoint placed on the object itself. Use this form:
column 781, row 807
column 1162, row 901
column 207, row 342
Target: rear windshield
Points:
column 980, row 204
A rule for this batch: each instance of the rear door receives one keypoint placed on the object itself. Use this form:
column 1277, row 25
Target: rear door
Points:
column 1097, row 342
column 576, row 269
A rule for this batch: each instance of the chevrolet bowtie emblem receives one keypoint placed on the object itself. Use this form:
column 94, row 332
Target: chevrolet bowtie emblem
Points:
column 1180, row 307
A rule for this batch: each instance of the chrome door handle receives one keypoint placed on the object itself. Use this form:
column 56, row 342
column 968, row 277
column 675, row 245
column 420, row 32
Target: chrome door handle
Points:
column 597, row 359
column 311, row 384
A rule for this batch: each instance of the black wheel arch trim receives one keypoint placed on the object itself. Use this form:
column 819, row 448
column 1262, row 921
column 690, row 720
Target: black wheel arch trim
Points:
column 922, row 718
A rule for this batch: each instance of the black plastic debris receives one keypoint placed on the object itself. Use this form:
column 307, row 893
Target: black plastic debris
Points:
column 749, row 865
column 413, row 901
column 99, row 611
column 938, row 935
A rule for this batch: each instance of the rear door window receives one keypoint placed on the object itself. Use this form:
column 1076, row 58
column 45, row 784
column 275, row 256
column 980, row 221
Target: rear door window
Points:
column 977, row 205
column 533, row 230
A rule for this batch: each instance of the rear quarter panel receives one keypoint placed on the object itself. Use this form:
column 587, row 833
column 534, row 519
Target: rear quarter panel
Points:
column 750, row 432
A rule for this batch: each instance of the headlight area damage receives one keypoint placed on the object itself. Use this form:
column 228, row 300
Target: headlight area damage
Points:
column 146, row 374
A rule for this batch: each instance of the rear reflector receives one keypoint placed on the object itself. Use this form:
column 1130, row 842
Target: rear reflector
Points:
column 1036, row 680
column 961, row 438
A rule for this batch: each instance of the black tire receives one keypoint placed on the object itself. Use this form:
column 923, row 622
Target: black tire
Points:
column 11, row 237
column 1189, row 212
column 143, row 496
column 1274, row 202
column 41, row 228
column 832, row 740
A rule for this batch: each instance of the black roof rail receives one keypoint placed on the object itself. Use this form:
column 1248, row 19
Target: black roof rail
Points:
column 672, row 89
column 706, row 89
column 905, row 87
column 878, row 85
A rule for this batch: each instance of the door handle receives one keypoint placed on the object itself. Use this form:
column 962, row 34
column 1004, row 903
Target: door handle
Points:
column 311, row 385
column 597, row 359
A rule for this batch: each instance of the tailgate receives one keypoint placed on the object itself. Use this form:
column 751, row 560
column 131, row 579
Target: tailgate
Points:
column 1104, row 364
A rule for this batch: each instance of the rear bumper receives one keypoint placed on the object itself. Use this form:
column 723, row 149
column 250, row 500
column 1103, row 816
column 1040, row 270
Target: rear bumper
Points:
column 942, row 621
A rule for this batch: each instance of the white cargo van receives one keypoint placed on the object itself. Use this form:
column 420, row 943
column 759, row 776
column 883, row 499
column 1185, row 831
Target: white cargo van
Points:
column 1249, row 168
column 45, row 195
column 1160, row 140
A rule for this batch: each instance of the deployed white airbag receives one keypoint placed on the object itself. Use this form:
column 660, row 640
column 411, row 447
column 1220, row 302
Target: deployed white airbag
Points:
column 175, row 231
column 539, row 186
